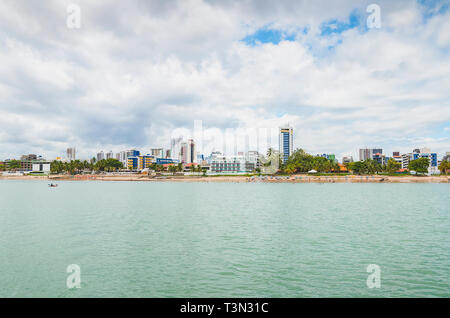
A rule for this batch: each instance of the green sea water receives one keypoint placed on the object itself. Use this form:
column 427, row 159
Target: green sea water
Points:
column 146, row 239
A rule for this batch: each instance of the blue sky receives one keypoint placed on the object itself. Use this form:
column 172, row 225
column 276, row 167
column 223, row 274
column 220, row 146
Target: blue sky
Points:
column 137, row 72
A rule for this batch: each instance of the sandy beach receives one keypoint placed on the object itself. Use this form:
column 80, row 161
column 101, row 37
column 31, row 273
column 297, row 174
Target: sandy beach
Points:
column 242, row 179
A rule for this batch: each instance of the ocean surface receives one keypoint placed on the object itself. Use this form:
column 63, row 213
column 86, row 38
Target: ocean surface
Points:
column 145, row 239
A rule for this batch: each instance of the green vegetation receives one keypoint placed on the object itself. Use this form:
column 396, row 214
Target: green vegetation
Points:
column 300, row 161
column 14, row 165
column 392, row 166
column 444, row 167
column 419, row 165
column 77, row 166
column 2, row 167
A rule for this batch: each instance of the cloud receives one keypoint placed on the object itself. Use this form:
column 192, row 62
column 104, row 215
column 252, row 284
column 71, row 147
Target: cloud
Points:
column 136, row 71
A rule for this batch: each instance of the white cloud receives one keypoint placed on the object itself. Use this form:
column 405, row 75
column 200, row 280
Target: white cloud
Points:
column 136, row 71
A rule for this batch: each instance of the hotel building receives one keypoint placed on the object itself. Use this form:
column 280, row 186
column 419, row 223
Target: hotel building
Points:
column 286, row 139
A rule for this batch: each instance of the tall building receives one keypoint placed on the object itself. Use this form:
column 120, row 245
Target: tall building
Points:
column 100, row 156
column 109, row 155
column 175, row 148
column 365, row 154
column 70, row 154
column 187, row 152
column 370, row 153
column 157, row 152
column 286, row 140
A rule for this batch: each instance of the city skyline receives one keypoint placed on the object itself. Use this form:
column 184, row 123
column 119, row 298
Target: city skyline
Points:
column 112, row 85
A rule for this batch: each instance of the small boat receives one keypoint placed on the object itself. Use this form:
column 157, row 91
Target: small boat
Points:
column 51, row 185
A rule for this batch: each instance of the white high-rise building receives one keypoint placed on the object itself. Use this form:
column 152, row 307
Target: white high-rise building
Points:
column 100, row 156
column 71, row 154
column 109, row 155
column 175, row 148
column 188, row 153
column 157, row 152
column 286, row 142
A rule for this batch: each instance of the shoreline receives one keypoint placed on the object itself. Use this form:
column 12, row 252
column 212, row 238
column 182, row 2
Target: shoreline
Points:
column 242, row 179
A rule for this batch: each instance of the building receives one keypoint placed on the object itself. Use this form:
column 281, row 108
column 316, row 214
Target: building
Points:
column 365, row 154
column 254, row 157
column 140, row 162
column 426, row 153
column 447, row 156
column 380, row 158
column 109, row 155
column 187, row 153
column 41, row 167
column 370, row 153
column 30, row 163
column 347, row 159
column 70, row 154
column 406, row 158
column 271, row 164
column 157, row 152
column 175, row 148
column 165, row 161
column 397, row 157
column 231, row 164
column 286, row 140
column 330, row 157
column 100, row 156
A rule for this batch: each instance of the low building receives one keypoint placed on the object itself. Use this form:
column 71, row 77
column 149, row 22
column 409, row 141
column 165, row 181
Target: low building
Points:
column 347, row 159
column 41, row 167
column 232, row 164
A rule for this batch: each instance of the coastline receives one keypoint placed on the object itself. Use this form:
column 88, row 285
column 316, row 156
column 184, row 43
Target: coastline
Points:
column 242, row 179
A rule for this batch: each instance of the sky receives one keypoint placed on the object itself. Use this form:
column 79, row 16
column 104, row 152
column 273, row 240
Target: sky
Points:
column 137, row 72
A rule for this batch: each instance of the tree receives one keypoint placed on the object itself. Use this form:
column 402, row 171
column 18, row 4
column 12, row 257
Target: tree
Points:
column 358, row 167
column 14, row 165
column 393, row 166
column 2, row 167
column 444, row 167
column 419, row 165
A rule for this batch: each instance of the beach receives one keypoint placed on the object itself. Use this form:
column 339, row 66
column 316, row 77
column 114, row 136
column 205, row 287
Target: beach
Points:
column 242, row 179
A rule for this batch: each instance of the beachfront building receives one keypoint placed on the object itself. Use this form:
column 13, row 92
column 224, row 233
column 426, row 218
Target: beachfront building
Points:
column 231, row 164
column 70, row 154
column 42, row 166
column 380, row 158
column 426, row 153
column 286, row 142
column 397, row 157
column 254, row 157
column 406, row 159
column 271, row 164
column 447, row 156
column 140, row 162
column 31, row 162
column 109, row 155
